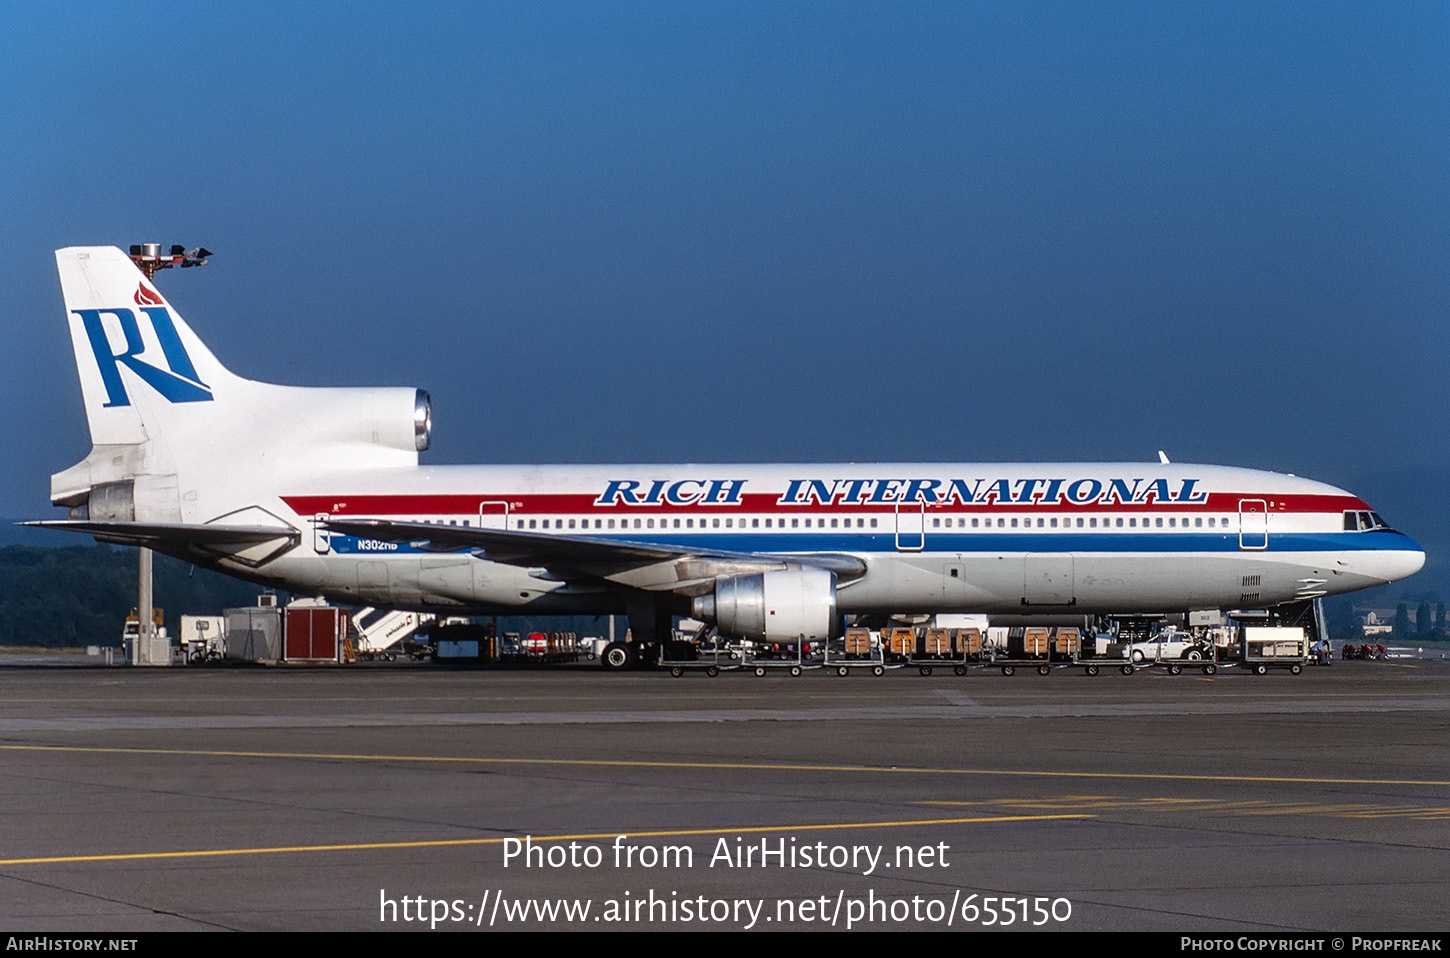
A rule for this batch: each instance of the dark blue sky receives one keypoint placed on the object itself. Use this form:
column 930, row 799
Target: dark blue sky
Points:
column 737, row 232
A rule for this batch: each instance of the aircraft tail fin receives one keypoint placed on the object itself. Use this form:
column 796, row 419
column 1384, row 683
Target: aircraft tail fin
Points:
column 140, row 365
column 178, row 436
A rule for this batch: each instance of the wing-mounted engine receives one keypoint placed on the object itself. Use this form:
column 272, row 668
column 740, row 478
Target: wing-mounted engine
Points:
column 773, row 606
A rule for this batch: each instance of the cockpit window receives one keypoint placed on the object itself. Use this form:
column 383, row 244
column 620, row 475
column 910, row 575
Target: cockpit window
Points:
column 1363, row 521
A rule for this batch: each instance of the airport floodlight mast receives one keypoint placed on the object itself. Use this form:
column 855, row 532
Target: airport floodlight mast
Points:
column 149, row 258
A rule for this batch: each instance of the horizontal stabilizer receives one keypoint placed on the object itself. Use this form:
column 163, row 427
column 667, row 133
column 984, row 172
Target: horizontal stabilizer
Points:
column 250, row 545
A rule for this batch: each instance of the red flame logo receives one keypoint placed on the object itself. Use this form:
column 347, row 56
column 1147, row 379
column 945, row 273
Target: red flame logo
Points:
column 147, row 297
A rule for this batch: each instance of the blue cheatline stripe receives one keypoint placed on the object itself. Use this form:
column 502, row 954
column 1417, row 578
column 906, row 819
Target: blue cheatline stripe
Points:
column 961, row 541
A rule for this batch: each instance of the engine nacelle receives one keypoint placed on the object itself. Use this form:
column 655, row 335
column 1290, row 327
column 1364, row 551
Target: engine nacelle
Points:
column 778, row 606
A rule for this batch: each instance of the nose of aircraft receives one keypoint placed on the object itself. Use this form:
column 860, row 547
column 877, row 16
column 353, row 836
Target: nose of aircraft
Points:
column 1405, row 559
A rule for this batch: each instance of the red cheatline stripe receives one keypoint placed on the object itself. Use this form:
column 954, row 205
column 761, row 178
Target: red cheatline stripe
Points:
column 1219, row 503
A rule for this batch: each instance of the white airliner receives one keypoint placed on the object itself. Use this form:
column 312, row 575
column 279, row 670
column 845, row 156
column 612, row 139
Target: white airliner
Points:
column 319, row 491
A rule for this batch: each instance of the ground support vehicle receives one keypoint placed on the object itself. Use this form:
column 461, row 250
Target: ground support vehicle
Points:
column 948, row 648
column 1275, row 647
column 1166, row 647
column 1031, row 649
column 898, row 645
column 548, row 648
column 711, row 658
column 802, row 655
column 860, row 650
column 1175, row 652
column 201, row 638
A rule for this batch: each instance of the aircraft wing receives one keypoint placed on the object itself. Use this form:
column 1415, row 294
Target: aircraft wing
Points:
column 641, row 565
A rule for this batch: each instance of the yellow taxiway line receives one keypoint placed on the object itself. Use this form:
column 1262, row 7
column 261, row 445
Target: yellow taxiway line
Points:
column 725, row 766
column 461, row 842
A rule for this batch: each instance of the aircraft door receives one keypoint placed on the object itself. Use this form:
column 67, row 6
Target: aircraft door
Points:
column 321, row 540
column 910, row 526
column 373, row 583
column 1253, row 524
column 493, row 515
column 1048, row 579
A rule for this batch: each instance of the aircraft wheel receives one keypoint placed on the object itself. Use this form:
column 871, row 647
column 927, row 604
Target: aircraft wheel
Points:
column 1175, row 669
column 878, row 670
column 712, row 671
column 1128, row 670
column 959, row 669
column 1210, row 669
column 1044, row 670
column 795, row 671
column 1091, row 670
column 1295, row 669
column 1009, row 670
column 925, row 670
column 842, row 671
column 676, row 671
column 616, row 657
column 760, row 671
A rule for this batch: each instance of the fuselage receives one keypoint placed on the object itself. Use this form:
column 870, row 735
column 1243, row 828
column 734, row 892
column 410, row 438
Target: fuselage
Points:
column 995, row 538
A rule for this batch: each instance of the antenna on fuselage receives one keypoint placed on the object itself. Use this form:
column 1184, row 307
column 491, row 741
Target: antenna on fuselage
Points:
column 1163, row 457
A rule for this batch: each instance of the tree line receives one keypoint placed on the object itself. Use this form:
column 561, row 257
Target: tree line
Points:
column 80, row 595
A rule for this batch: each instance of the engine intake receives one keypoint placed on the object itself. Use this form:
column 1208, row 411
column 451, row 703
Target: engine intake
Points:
column 776, row 606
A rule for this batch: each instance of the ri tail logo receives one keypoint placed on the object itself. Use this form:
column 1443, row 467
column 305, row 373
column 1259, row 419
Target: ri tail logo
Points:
column 178, row 382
